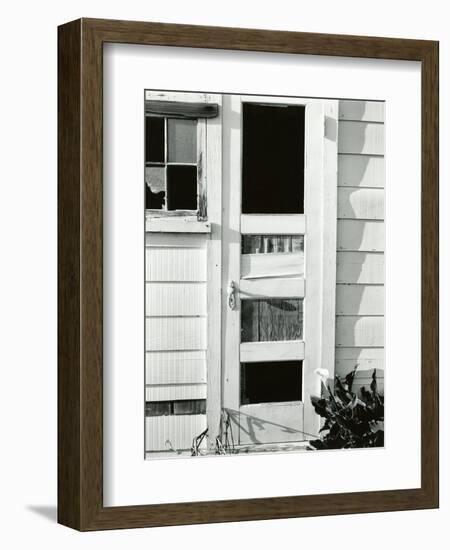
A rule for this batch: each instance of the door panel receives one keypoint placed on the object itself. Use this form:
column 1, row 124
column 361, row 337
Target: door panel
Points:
column 272, row 274
column 270, row 423
column 271, row 351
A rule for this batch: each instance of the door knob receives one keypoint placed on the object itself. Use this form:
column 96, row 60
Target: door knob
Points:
column 231, row 292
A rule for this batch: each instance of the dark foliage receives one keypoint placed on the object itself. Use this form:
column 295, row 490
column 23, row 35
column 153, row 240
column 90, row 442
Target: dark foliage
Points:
column 350, row 421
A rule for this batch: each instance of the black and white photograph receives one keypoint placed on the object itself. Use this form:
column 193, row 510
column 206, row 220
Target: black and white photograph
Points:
column 264, row 273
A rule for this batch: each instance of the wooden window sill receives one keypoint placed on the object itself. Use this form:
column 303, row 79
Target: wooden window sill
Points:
column 176, row 225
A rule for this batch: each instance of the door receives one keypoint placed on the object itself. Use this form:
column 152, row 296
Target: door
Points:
column 275, row 305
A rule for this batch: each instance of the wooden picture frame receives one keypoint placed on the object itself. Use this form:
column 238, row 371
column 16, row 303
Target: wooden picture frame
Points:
column 80, row 274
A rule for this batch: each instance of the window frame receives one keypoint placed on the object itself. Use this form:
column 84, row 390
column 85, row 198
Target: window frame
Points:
column 189, row 221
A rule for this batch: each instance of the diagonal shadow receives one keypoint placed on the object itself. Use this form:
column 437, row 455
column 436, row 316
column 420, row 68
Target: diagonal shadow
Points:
column 249, row 424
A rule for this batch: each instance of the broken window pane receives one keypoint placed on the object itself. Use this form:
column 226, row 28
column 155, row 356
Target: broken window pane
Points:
column 273, row 159
column 271, row 320
column 158, row 408
column 155, row 188
column 166, row 408
column 182, row 140
column 154, row 139
column 267, row 244
column 190, row 406
column 271, row 382
column 181, row 187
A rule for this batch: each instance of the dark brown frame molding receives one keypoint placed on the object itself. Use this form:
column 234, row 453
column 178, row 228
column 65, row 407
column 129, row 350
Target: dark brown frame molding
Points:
column 80, row 271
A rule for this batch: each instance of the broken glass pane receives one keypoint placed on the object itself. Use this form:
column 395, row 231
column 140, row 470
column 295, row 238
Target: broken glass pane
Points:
column 189, row 406
column 155, row 188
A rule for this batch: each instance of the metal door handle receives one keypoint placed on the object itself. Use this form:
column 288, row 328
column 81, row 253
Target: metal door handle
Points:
column 231, row 290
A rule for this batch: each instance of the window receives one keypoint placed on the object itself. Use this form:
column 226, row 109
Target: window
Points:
column 179, row 407
column 271, row 382
column 177, row 160
column 172, row 165
column 273, row 159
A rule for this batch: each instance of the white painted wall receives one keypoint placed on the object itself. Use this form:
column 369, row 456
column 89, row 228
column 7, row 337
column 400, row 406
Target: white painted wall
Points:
column 28, row 207
column 360, row 242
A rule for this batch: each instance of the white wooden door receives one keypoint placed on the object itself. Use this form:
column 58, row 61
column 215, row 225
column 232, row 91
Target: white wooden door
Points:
column 278, row 270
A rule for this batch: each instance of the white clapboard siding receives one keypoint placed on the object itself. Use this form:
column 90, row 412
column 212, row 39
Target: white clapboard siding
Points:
column 173, row 392
column 369, row 111
column 360, row 242
column 360, row 235
column 359, row 331
column 366, row 359
column 363, row 380
column 175, row 264
column 272, row 265
column 175, row 367
column 276, row 287
column 288, row 350
column 271, row 423
column 360, row 267
column 175, row 299
column 271, row 224
column 360, row 203
column 365, row 138
column 165, row 433
column 359, row 299
column 361, row 171
column 175, row 333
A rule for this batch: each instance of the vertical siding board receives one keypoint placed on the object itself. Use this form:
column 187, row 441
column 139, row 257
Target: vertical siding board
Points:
column 214, row 302
column 231, row 252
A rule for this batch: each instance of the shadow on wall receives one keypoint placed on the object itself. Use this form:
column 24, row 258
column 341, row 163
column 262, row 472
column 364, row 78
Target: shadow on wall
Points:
column 352, row 179
column 251, row 426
